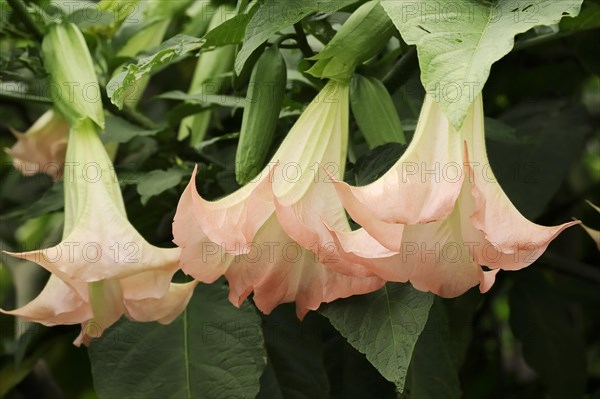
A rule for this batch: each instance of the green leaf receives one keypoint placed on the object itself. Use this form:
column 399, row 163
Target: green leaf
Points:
column 497, row 130
column 229, row 32
column 458, row 43
column 50, row 201
column 550, row 343
column 212, row 351
column 202, row 98
column 168, row 52
column 532, row 170
column 269, row 387
column 274, row 15
column 296, row 354
column 81, row 17
column 374, row 111
column 373, row 165
column 154, row 183
column 351, row 375
column 384, row 325
column 588, row 18
column 433, row 371
column 461, row 312
column 118, row 130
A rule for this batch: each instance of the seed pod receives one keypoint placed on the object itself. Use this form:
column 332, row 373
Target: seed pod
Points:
column 374, row 112
column 264, row 99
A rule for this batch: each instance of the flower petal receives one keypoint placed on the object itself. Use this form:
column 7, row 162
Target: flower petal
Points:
column 310, row 223
column 103, row 251
column 233, row 220
column 165, row 309
column 285, row 272
column 510, row 241
column 151, row 284
column 42, row 148
column 421, row 187
column 358, row 247
column 200, row 257
column 58, row 303
column 438, row 259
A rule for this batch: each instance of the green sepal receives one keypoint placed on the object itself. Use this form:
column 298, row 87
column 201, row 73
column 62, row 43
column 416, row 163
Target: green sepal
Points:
column 361, row 37
column 374, row 112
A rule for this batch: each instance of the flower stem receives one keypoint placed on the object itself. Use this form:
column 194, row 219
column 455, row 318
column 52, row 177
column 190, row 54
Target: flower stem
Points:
column 401, row 71
column 302, row 42
column 128, row 113
column 21, row 10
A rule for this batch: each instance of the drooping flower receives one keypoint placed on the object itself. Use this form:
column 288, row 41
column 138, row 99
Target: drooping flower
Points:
column 245, row 235
column 41, row 149
column 440, row 213
column 103, row 268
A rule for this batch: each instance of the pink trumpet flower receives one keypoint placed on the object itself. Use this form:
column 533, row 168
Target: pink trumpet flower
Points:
column 41, row 149
column 246, row 236
column 440, row 213
column 103, row 268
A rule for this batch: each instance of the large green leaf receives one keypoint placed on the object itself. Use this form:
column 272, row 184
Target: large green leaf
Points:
column 588, row 18
column 374, row 112
column 384, row 325
column 212, row 351
column 433, row 371
column 118, row 130
column 274, row 15
column 351, row 375
column 550, row 137
column 295, row 354
column 551, row 345
column 458, row 42
column 229, row 32
column 375, row 163
column 157, row 181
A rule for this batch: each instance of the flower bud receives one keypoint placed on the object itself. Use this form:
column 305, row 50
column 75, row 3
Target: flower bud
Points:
column 74, row 83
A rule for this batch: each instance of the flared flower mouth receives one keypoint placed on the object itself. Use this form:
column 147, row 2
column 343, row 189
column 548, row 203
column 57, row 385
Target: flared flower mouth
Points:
column 251, row 236
column 103, row 268
column 41, row 149
column 441, row 213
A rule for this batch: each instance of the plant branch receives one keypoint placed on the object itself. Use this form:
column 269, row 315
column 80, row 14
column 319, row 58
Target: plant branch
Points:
column 302, row 42
column 21, row 10
column 129, row 114
column 401, row 71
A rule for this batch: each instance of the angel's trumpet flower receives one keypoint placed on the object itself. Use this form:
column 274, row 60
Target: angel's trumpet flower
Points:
column 41, row 149
column 440, row 213
column 103, row 268
column 245, row 235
